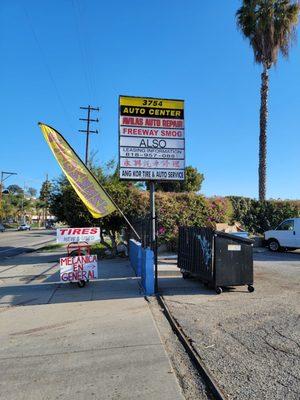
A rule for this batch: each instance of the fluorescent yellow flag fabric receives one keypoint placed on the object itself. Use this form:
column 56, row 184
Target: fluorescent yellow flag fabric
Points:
column 82, row 180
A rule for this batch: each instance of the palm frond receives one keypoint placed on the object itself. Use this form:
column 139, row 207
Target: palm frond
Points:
column 270, row 26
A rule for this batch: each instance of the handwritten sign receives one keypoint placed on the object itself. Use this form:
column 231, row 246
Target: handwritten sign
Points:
column 79, row 268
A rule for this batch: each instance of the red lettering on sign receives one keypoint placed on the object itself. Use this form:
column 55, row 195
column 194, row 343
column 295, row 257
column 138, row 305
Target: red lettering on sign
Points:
column 91, row 275
column 78, row 231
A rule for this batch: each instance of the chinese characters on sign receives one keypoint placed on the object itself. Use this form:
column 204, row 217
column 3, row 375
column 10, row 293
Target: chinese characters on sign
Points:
column 70, row 235
column 152, row 144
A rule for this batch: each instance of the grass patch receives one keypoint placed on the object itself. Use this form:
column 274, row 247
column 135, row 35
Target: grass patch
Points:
column 96, row 248
column 99, row 249
column 52, row 247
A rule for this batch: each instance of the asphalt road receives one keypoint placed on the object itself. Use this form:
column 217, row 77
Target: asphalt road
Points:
column 17, row 242
column 250, row 342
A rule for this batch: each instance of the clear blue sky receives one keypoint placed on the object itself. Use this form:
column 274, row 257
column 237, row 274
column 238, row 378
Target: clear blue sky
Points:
column 173, row 49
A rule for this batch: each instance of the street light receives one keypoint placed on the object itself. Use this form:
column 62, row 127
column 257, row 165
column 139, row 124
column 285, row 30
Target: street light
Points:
column 4, row 175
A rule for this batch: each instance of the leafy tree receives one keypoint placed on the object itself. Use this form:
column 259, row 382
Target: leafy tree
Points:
column 67, row 207
column 270, row 27
column 45, row 191
column 7, row 209
column 45, row 194
column 31, row 191
column 192, row 183
column 15, row 189
column 173, row 209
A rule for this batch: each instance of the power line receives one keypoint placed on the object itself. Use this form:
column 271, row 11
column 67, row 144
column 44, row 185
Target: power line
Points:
column 88, row 130
column 89, row 53
column 86, row 57
column 47, row 67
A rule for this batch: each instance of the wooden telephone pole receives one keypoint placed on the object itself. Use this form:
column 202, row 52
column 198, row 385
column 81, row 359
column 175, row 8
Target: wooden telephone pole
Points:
column 88, row 130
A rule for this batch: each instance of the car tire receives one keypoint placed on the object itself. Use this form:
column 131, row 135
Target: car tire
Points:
column 273, row 245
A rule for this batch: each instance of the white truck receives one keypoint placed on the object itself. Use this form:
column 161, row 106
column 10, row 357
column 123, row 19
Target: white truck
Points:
column 285, row 236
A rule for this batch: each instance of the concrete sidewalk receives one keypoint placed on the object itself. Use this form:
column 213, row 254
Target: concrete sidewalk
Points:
column 98, row 342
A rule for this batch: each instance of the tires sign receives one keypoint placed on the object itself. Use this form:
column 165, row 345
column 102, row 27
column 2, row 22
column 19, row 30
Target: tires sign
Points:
column 70, row 235
column 151, row 139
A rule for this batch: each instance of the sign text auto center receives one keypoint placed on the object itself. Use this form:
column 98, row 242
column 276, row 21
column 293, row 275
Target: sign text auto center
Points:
column 151, row 140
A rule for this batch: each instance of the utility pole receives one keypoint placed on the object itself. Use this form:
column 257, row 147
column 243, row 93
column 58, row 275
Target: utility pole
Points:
column 153, row 233
column 47, row 201
column 88, row 130
column 4, row 175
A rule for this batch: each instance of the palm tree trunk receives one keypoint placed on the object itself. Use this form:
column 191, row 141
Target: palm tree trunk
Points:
column 262, row 169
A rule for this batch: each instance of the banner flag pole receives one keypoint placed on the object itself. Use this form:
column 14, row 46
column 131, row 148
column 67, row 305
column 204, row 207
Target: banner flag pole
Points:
column 86, row 185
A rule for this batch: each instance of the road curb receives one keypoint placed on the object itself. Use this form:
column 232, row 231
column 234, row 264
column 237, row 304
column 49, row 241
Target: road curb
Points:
column 260, row 249
column 213, row 387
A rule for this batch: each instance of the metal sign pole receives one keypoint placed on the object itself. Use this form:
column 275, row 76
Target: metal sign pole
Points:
column 153, row 233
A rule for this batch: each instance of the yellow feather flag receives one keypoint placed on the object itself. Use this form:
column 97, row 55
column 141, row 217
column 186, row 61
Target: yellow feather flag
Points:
column 82, row 180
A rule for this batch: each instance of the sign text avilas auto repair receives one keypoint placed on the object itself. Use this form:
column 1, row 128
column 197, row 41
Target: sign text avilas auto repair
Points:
column 151, row 141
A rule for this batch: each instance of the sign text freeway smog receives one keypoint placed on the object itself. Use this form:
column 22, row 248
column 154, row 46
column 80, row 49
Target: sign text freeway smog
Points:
column 151, row 139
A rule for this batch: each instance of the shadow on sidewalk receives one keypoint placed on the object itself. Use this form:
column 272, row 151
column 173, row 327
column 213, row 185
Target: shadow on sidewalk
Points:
column 116, row 281
column 171, row 283
column 29, row 259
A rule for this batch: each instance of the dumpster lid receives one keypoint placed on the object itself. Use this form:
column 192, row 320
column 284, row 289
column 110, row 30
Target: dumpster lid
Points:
column 236, row 238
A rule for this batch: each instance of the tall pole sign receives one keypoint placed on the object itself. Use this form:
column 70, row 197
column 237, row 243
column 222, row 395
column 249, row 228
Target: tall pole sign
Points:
column 152, row 144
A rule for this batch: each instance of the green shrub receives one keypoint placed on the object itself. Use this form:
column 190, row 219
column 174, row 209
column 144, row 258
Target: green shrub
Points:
column 260, row 216
column 187, row 209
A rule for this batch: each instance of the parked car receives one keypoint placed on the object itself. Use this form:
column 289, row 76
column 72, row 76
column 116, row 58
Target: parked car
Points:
column 24, row 227
column 285, row 236
column 2, row 228
column 49, row 225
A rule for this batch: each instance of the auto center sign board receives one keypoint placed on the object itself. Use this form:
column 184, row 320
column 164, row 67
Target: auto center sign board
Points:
column 70, row 235
column 151, row 139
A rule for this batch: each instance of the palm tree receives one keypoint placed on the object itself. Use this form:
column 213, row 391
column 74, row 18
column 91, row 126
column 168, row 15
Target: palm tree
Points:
column 270, row 27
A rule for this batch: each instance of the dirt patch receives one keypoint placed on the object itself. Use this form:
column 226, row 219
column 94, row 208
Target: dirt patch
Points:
column 250, row 342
